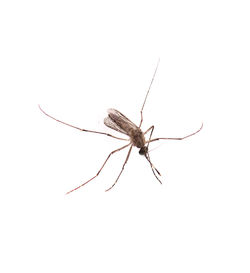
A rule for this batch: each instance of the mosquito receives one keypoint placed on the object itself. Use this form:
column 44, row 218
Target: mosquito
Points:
column 120, row 123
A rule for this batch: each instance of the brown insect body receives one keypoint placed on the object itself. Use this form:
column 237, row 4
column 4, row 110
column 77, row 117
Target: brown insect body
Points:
column 137, row 138
column 116, row 120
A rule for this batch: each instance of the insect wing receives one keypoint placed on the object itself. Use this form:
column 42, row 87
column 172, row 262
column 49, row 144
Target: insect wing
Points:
column 118, row 122
column 110, row 123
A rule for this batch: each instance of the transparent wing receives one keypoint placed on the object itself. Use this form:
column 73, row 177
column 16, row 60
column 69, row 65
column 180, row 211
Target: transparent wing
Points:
column 118, row 122
column 109, row 123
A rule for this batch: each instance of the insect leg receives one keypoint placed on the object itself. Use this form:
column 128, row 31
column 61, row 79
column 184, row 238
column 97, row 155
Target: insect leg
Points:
column 149, row 129
column 117, row 150
column 176, row 138
column 148, row 93
column 83, row 130
column 147, row 155
column 125, row 162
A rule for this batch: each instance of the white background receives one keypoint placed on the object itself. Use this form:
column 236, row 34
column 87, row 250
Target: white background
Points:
column 78, row 58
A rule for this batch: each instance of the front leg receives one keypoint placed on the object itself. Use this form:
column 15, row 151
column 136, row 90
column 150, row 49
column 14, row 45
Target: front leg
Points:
column 147, row 154
column 152, row 129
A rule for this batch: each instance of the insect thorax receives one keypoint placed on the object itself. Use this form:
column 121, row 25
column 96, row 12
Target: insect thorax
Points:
column 137, row 138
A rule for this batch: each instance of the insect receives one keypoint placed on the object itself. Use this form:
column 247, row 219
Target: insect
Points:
column 120, row 123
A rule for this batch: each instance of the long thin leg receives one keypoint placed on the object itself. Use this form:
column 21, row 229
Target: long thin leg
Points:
column 152, row 129
column 117, row 150
column 125, row 162
column 175, row 138
column 83, row 130
column 147, row 155
column 148, row 93
column 153, row 168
